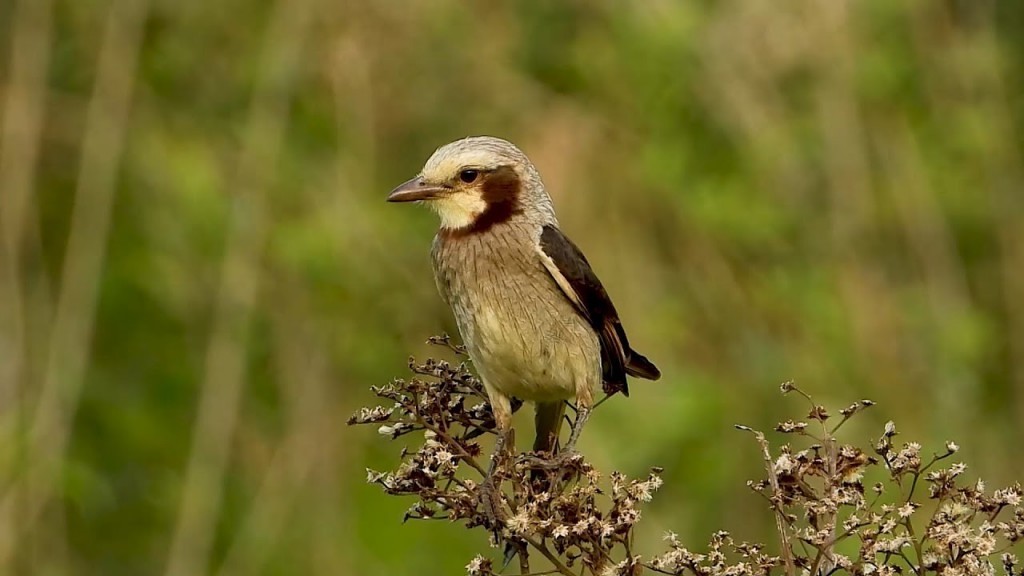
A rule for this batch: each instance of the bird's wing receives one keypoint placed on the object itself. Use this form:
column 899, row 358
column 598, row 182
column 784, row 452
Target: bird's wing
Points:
column 574, row 276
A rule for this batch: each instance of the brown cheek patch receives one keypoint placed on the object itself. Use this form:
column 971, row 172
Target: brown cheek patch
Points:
column 501, row 193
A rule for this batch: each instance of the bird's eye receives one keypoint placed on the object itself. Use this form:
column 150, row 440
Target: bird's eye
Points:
column 468, row 176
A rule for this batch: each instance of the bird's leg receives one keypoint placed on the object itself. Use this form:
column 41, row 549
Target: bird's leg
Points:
column 499, row 451
column 490, row 488
column 582, row 414
column 584, row 403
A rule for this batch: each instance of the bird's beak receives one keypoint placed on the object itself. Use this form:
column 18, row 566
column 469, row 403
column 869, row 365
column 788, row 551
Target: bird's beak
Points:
column 415, row 189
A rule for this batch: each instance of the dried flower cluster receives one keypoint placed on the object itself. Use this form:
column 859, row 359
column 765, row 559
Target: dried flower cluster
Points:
column 827, row 521
column 820, row 501
column 562, row 509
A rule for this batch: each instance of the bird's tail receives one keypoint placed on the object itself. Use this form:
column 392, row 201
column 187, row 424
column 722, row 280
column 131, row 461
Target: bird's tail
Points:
column 548, row 421
column 640, row 367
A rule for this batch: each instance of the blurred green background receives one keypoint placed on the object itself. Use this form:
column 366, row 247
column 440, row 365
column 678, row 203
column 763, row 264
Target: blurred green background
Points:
column 200, row 279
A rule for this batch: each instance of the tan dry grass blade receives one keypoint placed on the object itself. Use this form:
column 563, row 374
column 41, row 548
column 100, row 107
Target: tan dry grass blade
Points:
column 20, row 143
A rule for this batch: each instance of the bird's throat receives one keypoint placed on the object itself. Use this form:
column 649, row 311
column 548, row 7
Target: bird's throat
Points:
column 459, row 211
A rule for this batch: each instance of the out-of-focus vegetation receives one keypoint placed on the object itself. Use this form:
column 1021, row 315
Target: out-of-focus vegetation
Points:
column 199, row 278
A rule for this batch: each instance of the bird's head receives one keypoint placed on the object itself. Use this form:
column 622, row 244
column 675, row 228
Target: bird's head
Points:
column 476, row 183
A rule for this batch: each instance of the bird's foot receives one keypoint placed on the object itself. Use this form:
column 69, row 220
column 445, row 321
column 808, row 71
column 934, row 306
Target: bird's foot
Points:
column 491, row 504
column 539, row 460
column 565, row 457
column 548, row 471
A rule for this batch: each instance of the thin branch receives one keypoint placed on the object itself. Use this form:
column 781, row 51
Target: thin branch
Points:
column 466, row 457
column 543, row 549
column 780, row 524
column 524, row 561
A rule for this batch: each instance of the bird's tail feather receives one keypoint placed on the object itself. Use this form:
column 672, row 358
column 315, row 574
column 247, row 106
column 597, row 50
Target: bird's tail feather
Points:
column 639, row 366
column 548, row 422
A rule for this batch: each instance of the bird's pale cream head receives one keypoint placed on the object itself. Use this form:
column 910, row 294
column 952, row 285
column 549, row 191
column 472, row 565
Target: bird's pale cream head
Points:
column 476, row 183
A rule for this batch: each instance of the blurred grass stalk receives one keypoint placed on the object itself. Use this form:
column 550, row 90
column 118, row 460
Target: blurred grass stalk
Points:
column 28, row 498
column 20, row 142
column 226, row 355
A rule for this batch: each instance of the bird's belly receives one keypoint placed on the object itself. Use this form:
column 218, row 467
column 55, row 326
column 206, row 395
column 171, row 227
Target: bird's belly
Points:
column 534, row 356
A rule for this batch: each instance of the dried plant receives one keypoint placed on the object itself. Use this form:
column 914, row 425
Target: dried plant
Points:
column 918, row 518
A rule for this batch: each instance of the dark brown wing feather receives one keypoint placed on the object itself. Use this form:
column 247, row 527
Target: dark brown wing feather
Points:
column 581, row 286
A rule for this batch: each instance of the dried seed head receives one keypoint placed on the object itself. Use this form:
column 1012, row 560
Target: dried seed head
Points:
column 815, row 490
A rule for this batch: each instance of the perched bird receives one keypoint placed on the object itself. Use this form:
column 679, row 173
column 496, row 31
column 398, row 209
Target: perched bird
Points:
column 535, row 319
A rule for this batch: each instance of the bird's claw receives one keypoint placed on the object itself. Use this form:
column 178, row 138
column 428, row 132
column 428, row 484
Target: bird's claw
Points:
column 564, row 456
column 547, row 460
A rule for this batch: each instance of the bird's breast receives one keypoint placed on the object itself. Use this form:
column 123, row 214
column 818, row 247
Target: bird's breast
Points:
column 524, row 336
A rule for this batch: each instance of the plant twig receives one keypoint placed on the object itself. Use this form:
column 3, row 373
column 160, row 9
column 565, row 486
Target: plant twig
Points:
column 780, row 523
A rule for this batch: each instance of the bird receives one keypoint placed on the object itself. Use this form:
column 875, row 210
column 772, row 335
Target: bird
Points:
column 535, row 319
